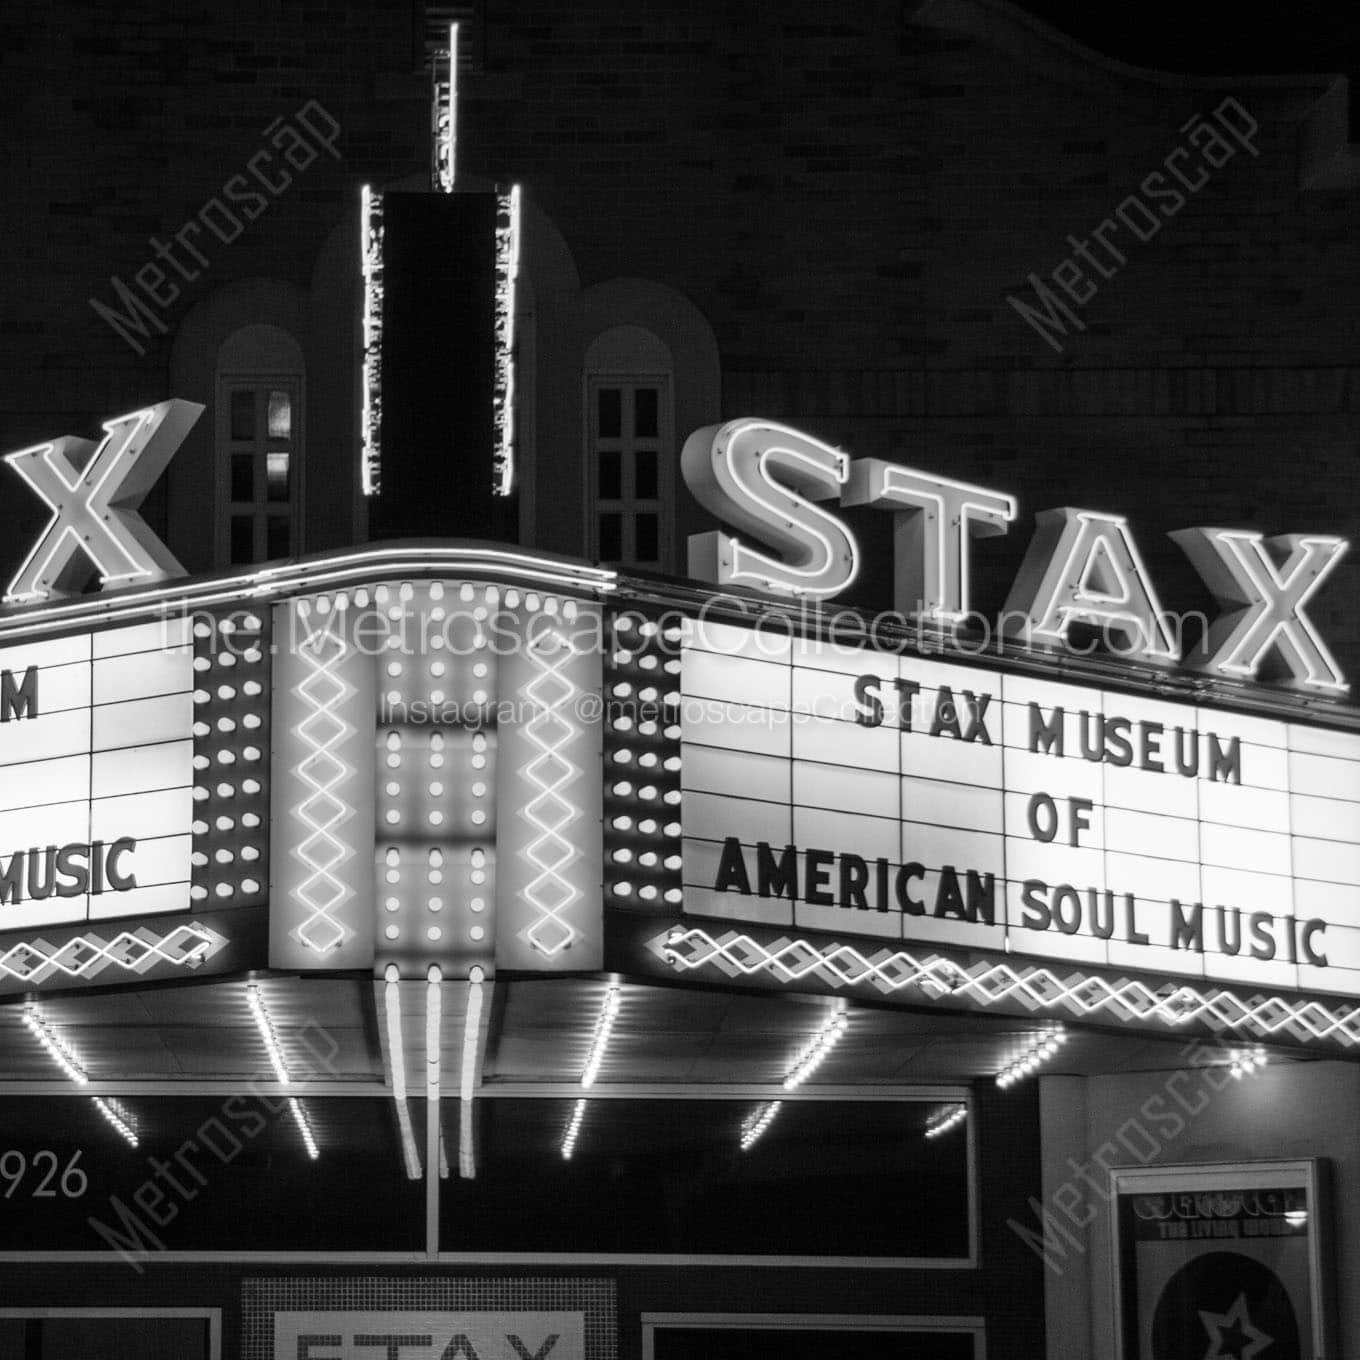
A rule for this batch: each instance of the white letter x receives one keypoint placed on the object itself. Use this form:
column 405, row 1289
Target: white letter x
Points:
column 1263, row 604
column 94, row 511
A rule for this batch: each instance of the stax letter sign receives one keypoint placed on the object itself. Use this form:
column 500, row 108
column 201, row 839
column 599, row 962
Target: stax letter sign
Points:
column 412, row 1335
column 1082, row 568
column 93, row 494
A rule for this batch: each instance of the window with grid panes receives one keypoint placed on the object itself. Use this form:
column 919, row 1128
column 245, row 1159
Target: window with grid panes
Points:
column 260, row 453
column 631, row 471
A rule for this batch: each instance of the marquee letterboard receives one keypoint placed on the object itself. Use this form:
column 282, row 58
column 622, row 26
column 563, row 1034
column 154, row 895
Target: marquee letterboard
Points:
column 903, row 798
column 96, row 775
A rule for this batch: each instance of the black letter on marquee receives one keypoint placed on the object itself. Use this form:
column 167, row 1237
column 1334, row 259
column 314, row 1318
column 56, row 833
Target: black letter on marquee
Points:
column 776, row 877
column 1045, row 735
column 732, row 875
column 1187, row 926
column 305, row 1344
column 119, row 881
column 977, row 727
column 394, row 1343
column 817, row 889
column 12, row 879
column 1225, row 764
column 946, row 714
column 868, row 706
column 460, row 1345
column 523, row 1351
column 21, row 700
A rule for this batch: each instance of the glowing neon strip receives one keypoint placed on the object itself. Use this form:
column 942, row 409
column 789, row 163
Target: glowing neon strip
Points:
column 446, row 120
column 265, row 1024
column 604, row 1028
column 550, row 892
column 1246, row 1062
column 573, row 1132
column 755, row 1123
column 817, row 1052
column 434, row 1023
column 370, row 412
column 304, row 1128
column 86, row 956
column 990, row 984
column 293, row 578
column 943, row 1120
column 57, row 1048
column 467, row 1077
column 1039, row 1051
column 396, row 1057
column 507, row 277
column 115, row 1114
column 73, row 1069
column 322, row 732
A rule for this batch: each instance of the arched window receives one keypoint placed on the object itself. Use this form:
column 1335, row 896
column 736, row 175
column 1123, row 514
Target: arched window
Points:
column 259, row 444
column 630, row 449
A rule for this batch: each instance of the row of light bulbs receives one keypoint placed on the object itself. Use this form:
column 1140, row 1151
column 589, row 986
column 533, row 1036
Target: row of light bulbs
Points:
column 1246, row 1062
column 1039, row 1051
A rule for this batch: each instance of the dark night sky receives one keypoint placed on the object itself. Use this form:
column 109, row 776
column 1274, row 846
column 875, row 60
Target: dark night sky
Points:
column 1217, row 38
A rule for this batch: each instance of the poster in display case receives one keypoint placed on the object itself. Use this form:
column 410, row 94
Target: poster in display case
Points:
column 1223, row 1260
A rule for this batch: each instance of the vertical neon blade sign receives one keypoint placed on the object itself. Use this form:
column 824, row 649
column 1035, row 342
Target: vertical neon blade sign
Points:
column 371, row 266
column 507, row 276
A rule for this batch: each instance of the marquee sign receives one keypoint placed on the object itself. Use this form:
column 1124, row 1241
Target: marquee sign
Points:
column 132, row 799
column 96, row 752
column 902, row 798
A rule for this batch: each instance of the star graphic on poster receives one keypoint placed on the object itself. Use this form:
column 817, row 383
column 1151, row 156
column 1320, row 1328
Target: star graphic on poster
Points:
column 1232, row 1335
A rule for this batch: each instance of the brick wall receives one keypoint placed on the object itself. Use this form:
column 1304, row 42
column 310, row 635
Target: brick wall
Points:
column 850, row 197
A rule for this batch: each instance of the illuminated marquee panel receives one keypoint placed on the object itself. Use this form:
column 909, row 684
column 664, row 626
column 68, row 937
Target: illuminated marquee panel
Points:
column 642, row 761
column 438, row 773
column 436, row 777
column 133, row 797
column 232, row 742
column 941, row 803
column 549, row 791
column 96, row 753
column 325, row 686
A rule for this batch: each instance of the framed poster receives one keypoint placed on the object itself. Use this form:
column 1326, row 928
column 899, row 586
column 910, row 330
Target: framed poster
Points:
column 1220, row 1260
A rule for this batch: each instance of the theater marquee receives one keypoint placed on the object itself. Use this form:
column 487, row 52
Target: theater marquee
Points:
column 911, row 799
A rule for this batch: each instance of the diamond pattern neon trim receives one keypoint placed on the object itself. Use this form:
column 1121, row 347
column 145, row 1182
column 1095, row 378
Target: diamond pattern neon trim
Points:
column 550, row 812
column 321, row 810
column 1033, row 986
column 135, row 951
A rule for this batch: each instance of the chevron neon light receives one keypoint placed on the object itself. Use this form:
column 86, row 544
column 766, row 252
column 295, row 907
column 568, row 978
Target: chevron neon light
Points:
column 322, row 810
column 86, row 956
column 550, row 812
column 891, row 971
